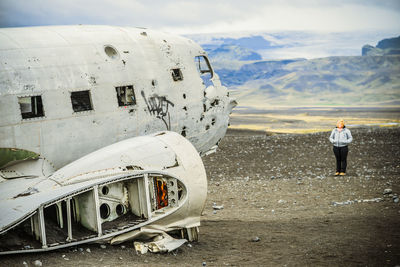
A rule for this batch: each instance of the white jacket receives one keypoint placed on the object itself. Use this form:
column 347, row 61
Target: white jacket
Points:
column 342, row 138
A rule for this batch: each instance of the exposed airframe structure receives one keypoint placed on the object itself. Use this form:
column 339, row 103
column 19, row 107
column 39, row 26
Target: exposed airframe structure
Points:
column 86, row 148
column 108, row 193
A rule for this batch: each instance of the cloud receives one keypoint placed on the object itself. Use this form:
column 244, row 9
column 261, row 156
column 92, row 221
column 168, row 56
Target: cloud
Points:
column 190, row 16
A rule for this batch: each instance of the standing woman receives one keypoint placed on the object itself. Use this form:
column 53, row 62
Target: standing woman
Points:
column 340, row 138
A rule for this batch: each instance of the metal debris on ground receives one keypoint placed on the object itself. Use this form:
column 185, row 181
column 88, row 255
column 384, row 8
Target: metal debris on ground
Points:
column 387, row 191
column 161, row 243
column 140, row 247
column 217, row 207
column 37, row 263
column 349, row 202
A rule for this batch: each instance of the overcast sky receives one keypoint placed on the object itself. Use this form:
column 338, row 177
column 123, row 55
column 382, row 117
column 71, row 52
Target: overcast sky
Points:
column 209, row 16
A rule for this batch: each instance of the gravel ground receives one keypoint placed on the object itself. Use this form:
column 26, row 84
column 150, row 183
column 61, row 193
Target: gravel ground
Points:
column 282, row 206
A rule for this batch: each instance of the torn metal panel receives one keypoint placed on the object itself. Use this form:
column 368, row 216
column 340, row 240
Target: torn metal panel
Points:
column 28, row 168
column 12, row 155
column 161, row 243
column 160, row 240
column 77, row 205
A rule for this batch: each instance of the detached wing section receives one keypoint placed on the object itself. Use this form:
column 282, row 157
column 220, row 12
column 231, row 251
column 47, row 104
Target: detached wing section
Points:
column 150, row 182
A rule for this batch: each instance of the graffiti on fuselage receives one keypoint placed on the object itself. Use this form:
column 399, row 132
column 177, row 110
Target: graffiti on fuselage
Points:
column 158, row 106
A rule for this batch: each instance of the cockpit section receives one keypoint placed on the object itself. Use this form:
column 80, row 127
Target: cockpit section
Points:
column 204, row 69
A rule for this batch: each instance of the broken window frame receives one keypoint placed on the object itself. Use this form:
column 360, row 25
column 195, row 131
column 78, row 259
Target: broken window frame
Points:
column 122, row 98
column 81, row 107
column 177, row 74
column 35, row 107
column 199, row 66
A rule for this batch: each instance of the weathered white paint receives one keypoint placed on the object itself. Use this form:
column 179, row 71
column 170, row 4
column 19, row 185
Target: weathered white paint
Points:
column 81, row 151
column 54, row 61
column 84, row 176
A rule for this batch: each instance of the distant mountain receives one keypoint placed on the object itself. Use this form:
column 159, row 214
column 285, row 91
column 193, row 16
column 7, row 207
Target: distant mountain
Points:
column 360, row 80
column 242, row 49
column 389, row 46
column 256, row 42
column 292, row 44
column 232, row 52
column 372, row 79
column 389, row 43
column 255, row 71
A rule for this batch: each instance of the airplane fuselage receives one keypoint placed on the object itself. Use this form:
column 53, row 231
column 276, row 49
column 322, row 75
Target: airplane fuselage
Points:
column 66, row 91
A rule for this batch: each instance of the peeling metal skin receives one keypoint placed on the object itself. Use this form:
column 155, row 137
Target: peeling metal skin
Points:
column 10, row 155
column 100, row 197
column 60, row 89
column 101, row 133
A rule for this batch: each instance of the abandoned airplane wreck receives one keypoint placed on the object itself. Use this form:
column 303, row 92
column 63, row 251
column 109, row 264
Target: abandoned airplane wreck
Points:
column 101, row 136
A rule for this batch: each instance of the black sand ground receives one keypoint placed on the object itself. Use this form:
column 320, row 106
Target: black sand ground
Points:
column 279, row 190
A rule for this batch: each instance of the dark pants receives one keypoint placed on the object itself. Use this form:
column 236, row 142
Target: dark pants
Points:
column 341, row 158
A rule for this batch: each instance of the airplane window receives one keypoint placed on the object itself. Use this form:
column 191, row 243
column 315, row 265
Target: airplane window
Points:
column 125, row 95
column 204, row 69
column 203, row 66
column 177, row 75
column 81, row 101
column 31, row 106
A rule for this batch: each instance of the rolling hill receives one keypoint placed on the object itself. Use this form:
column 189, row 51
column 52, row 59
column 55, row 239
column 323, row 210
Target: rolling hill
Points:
column 369, row 80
